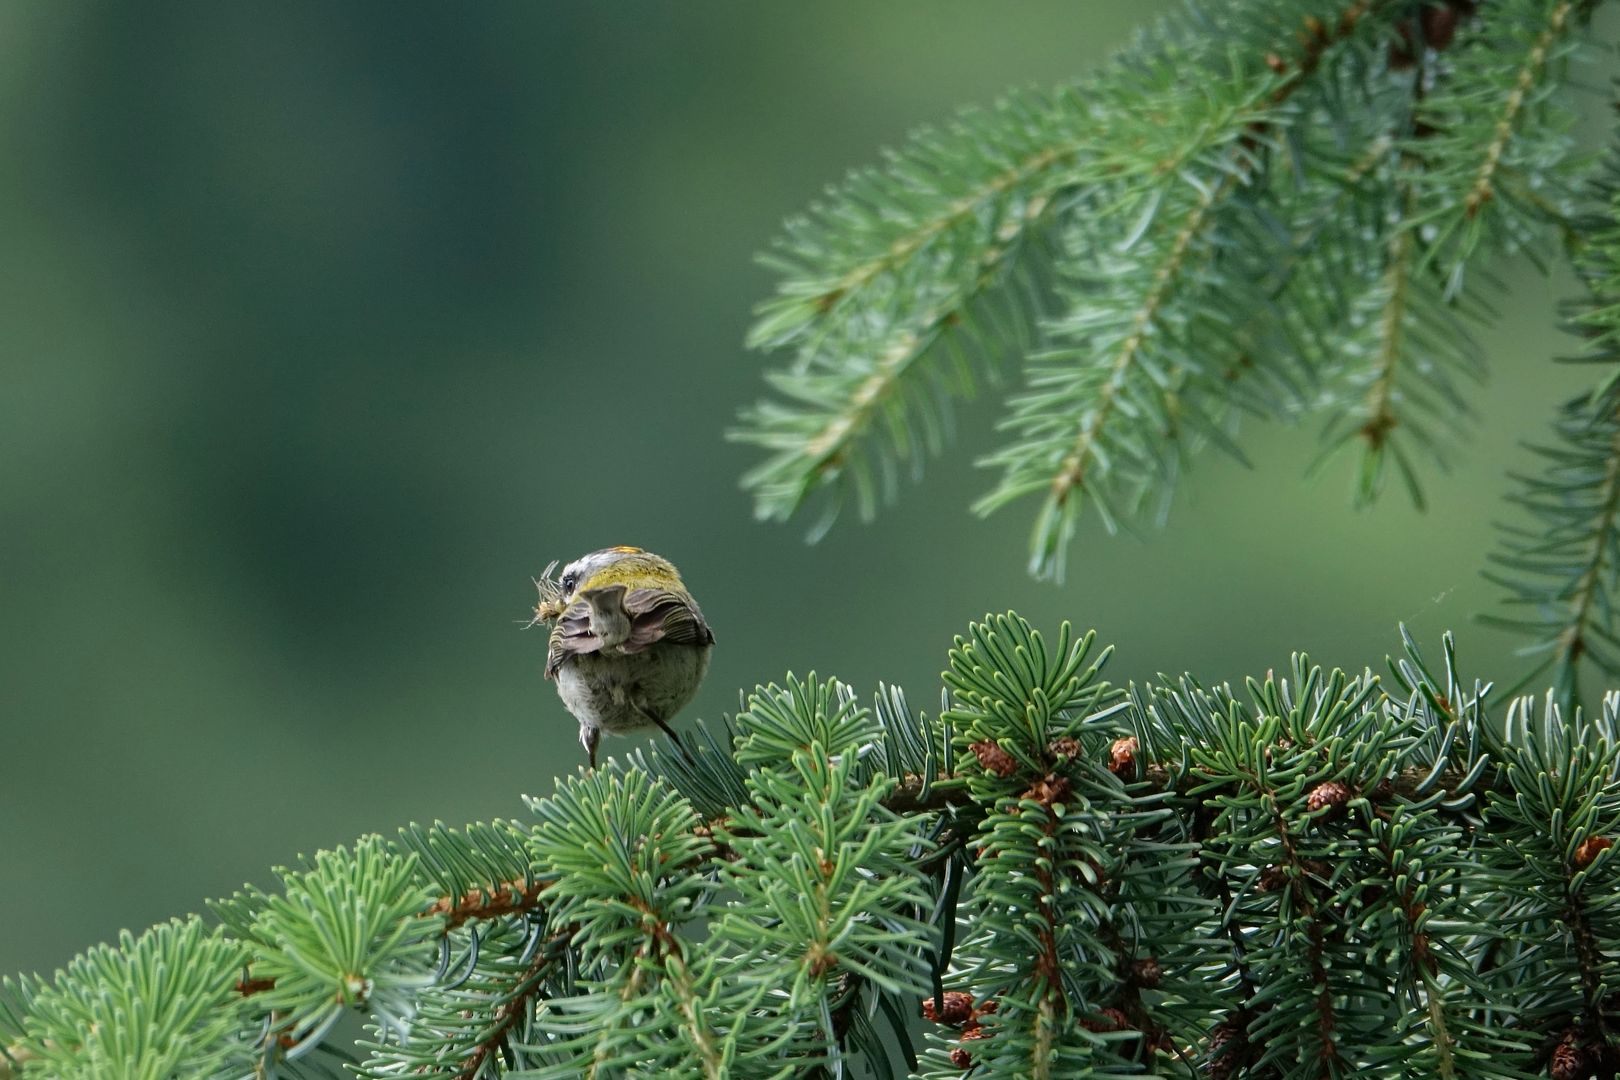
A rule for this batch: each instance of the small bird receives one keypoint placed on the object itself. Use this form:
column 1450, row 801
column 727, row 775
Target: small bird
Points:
column 628, row 644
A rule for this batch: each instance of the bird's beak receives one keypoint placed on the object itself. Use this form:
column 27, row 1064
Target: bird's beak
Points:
column 551, row 602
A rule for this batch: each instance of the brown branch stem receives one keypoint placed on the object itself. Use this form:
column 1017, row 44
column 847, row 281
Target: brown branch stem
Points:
column 504, row 898
column 1483, row 189
column 512, row 1010
column 1316, row 38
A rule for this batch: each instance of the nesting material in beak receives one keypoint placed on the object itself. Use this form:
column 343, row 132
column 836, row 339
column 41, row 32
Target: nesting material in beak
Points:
column 551, row 601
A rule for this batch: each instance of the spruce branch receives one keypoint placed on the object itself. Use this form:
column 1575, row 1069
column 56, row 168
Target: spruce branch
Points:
column 505, row 898
column 625, row 853
column 1406, row 352
column 1128, row 383
column 896, row 275
column 818, row 854
column 887, row 244
column 1043, row 851
column 1146, row 349
column 1535, row 62
column 159, row 1004
column 1419, row 341
column 902, row 258
column 1564, row 566
column 496, row 957
column 344, row 933
column 1391, row 324
column 511, row 1016
column 1320, row 873
column 473, row 1024
column 1561, row 835
column 1291, row 236
column 1490, row 126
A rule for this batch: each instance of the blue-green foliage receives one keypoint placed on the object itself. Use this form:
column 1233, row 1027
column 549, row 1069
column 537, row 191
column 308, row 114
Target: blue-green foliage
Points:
column 1491, row 158
column 1547, row 843
column 350, row 932
column 828, row 897
column 1274, row 207
column 628, row 869
column 160, row 1005
column 1561, row 567
column 1320, row 874
column 736, row 971
column 1054, row 854
column 817, row 851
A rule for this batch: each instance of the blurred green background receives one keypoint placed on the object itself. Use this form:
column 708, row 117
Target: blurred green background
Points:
column 325, row 326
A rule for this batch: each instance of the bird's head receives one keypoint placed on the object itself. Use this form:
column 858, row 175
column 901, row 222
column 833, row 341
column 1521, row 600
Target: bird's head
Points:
column 628, row 566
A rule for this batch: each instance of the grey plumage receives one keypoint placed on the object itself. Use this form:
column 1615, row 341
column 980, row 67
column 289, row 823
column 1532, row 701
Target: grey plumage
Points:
column 629, row 646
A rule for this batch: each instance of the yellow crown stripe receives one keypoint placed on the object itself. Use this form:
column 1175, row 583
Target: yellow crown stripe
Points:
column 658, row 575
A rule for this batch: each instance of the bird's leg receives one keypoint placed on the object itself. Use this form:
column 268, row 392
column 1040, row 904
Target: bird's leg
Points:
column 590, row 737
column 674, row 738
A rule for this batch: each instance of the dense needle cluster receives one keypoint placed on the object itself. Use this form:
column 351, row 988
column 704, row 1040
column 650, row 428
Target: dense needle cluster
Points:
column 1279, row 209
column 1314, row 874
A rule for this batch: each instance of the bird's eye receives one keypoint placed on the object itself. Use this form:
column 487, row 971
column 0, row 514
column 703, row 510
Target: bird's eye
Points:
column 569, row 581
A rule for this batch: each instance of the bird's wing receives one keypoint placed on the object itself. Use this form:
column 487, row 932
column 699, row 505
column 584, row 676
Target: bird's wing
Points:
column 661, row 615
column 655, row 615
column 570, row 637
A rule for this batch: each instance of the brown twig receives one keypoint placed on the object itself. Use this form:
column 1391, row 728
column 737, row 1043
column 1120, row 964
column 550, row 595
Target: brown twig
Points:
column 505, row 898
column 907, row 796
column 511, row 1011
